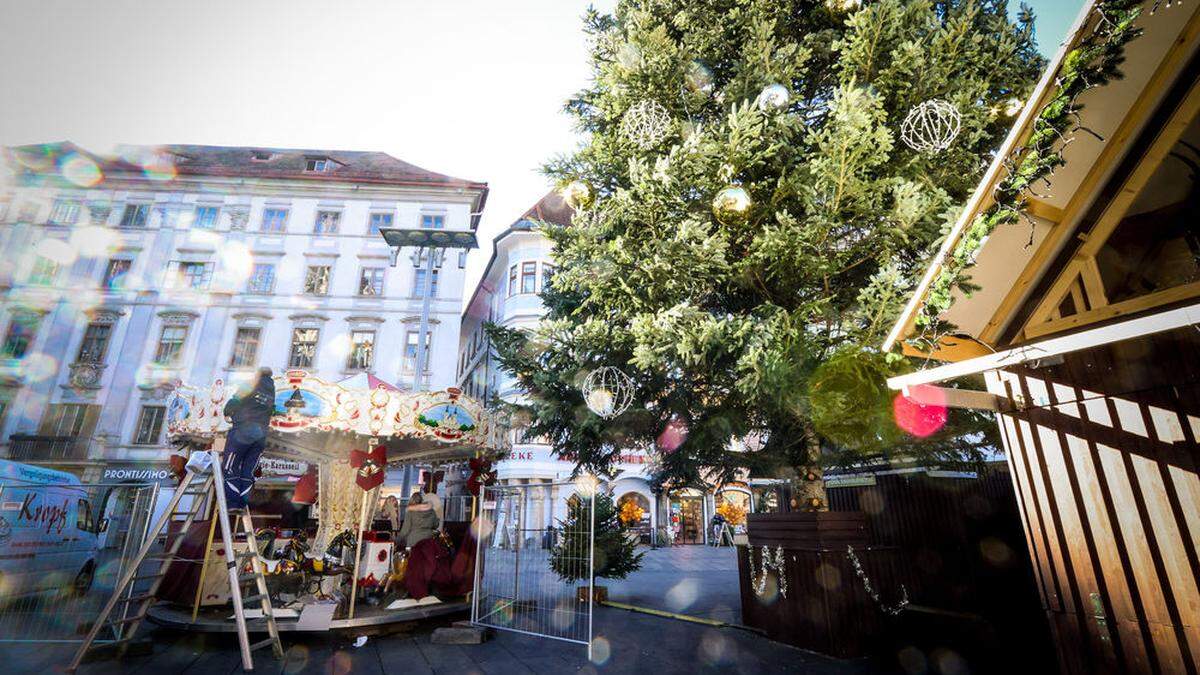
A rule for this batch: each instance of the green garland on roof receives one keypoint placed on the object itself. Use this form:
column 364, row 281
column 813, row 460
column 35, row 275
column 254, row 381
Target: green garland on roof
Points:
column 1093, row 63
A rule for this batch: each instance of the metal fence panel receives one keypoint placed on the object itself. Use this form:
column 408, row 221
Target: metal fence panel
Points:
column 516, row 587
column 62, row 550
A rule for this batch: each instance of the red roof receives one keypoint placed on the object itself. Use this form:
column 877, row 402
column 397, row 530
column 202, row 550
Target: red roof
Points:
column 550, row 209
column 242, row 162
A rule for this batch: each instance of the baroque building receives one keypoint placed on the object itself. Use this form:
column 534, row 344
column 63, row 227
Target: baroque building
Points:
column 125, row 274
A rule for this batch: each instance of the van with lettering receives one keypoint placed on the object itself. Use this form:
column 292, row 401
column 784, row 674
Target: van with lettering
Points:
column 48, row 532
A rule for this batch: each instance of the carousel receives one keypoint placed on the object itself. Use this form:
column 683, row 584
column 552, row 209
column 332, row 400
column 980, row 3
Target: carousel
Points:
column 335, row 571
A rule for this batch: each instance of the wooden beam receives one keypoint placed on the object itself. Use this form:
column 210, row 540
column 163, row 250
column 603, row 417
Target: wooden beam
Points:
column 969, row 399
column 1126, row 330
column 1044, row 210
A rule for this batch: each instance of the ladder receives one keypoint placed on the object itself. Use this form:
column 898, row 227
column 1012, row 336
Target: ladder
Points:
column 125, row 614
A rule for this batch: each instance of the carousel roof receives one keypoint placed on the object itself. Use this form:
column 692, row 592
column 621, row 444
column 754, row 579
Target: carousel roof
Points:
column 318, row 420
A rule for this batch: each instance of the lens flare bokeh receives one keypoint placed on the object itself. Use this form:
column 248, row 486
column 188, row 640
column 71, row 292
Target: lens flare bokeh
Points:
column 922, row 412
column 80, row 170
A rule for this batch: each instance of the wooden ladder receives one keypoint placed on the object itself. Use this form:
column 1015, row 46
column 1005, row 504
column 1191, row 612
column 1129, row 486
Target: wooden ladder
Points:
column 117, row 612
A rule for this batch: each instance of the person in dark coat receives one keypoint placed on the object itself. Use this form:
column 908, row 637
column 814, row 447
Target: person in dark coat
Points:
column 249, row 412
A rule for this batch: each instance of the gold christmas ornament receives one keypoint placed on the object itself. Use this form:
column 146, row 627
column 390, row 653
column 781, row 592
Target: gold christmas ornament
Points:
column 731, row 204
column 773, row 97
column 578, row 195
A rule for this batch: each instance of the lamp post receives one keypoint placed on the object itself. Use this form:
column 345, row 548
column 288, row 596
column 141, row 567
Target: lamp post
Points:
column 431, row 245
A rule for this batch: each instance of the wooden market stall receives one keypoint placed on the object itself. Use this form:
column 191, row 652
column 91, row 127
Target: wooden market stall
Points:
column 1086, row 329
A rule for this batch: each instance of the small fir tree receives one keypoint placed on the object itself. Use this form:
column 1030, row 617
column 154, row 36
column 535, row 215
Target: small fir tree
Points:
column 616, row 553
column 748, row 213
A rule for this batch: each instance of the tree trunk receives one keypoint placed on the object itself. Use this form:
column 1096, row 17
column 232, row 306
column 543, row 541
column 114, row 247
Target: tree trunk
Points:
column 810, row 492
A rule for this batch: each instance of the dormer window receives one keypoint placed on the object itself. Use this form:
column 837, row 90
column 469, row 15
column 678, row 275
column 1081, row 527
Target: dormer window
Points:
column 260, row 155
column 318, row 164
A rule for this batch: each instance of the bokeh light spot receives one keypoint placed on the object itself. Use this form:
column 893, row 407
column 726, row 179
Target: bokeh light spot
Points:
column 673, row 435
column 80, row 170
column 601, row 651
column 922, row 412
column 56, row 250
column 91, row 241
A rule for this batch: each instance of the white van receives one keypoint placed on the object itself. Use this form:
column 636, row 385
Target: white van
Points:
column 48, row 532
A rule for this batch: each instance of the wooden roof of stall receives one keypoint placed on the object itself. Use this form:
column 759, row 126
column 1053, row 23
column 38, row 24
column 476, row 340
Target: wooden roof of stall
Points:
column 1018, row 261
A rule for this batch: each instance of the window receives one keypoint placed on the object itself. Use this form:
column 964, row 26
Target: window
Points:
column 245, row 347
column 371, row 281
column 317, row 164
column 410, row 350
column 193, row 275
column 149, row 426
column 83, row 516
column 362, row 350
column 462, row 259
column 512, row 280
column 95, row 343
column 379, row 221
column 316, row 280
column 262, row 279
column 547, row 275
column 134, row 215
column 64, row 212
column 19, row 338
column 260, row 156
column 65, row 419
column 327, row 222
column 274, row 220
column 44, row 271
column 419, row 284
column 529, row 277
column 170, row 345
column 433, row 222
column 115, row 274
column 304, row 347
column 205, row 217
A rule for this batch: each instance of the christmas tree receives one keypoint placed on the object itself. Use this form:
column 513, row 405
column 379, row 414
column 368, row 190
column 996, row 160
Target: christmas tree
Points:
column 761, row 182
column 615, row 553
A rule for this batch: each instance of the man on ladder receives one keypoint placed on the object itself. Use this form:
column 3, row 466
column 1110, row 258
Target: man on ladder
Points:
column 251, row 416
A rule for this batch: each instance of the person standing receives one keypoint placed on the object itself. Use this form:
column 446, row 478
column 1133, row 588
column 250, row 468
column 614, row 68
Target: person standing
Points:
column 249, row 412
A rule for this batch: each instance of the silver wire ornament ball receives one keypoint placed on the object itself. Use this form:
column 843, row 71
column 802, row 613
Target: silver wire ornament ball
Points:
column 931, row 126
column 646, row 124
column 608, row 392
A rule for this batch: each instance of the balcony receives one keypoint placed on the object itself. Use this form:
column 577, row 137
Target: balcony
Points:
column 35, row 449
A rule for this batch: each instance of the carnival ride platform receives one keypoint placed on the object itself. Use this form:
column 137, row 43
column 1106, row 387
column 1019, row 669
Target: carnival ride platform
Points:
column 366, row 618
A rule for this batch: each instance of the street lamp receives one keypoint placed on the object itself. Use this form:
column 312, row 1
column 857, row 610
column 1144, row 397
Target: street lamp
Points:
column 431, row 246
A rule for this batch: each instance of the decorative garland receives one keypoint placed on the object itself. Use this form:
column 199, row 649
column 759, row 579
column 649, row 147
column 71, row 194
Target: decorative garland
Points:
column 770, row 562
column 866, row 582
column 1092, row 64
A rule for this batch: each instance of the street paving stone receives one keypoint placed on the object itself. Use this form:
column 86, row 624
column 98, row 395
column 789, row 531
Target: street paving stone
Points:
column 695, row 580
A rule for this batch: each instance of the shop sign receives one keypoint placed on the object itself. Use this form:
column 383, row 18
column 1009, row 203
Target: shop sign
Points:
column 273, row 466
column 138, row 473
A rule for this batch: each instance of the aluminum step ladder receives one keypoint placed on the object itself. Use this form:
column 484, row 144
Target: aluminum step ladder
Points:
column 125, row 614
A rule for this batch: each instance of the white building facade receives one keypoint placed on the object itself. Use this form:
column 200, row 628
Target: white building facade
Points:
column 123, row 275
column 507, row 295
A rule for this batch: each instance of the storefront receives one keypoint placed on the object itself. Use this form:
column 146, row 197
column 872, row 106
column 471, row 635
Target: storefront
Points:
column 689, row 515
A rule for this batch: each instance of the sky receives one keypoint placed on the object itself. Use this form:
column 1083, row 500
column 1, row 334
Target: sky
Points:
column 469, row 88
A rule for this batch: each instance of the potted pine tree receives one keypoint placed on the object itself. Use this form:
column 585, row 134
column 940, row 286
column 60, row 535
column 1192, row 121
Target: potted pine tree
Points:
column 615, row 553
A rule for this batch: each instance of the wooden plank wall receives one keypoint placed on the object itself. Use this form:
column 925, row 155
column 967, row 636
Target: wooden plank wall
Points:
column 1104, row 459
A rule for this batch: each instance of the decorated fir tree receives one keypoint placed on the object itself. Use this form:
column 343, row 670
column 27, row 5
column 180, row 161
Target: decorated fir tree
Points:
column 615, row 552
column 761, row 181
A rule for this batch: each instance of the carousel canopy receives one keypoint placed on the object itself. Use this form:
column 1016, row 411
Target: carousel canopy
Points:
column 319, row 421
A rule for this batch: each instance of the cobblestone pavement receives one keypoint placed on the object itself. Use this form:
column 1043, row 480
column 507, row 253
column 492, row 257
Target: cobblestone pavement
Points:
column 695, row 580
